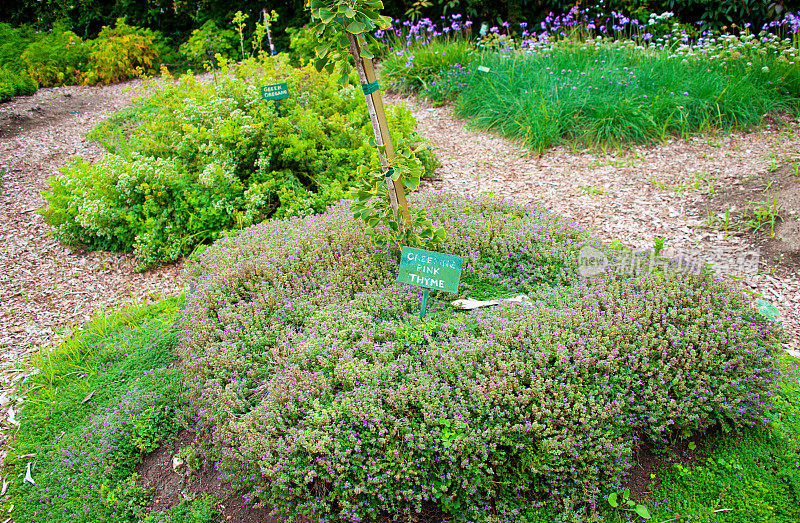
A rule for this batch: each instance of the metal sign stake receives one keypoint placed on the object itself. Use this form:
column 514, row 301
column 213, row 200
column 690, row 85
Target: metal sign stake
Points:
column 424, row 303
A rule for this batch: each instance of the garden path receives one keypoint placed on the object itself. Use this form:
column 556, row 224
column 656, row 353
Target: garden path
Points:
column 637, row 195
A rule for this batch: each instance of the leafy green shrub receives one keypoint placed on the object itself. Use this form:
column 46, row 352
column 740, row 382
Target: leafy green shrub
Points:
column 15, row 83
column 13, row 41
column 125, row 500
column 122, row 52
column 201, row 159
column 59, row 57
column 327, row 397
column 206, row 42
column 302, row 42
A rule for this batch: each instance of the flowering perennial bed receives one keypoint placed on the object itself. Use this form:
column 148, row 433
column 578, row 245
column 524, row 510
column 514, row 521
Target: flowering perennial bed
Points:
column 324, row 394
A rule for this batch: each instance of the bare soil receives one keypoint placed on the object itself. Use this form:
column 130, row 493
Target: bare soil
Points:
column 765, row 209
column 170, row 487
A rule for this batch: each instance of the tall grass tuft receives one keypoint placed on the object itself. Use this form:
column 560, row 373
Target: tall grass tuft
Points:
column 605, row 93
column 416, row 67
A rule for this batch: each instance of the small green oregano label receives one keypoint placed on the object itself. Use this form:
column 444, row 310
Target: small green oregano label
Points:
column 275, row 92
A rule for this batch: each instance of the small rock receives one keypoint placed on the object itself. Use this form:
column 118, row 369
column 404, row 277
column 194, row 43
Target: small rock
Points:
column 177, row 464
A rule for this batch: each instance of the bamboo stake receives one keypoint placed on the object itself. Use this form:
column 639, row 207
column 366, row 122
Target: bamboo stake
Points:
column 380, row 128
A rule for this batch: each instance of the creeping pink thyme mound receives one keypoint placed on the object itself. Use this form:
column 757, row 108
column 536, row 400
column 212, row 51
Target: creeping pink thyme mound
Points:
column 326, row 396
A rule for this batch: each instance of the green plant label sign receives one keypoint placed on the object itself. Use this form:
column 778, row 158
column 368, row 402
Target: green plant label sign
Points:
column 432, row 270
column 275, row 92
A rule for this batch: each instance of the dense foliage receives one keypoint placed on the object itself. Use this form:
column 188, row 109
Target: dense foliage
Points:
column 601, row 93
column 60, row 33
column 123, row 52
column 194, row 160
column 15, row 83
column 14, row 79
column 61, row 57
column 177, row 19
column 206, row 42
column 326, row 396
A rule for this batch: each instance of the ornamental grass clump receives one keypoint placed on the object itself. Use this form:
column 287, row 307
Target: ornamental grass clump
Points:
column 613, row 93
column 326, row 396
column 194, row 160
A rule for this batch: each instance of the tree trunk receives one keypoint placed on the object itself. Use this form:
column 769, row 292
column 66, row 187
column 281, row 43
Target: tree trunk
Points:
column 380, row 128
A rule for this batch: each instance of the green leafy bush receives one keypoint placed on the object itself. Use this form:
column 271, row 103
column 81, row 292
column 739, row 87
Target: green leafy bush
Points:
column 326, row 396
column 59, row 57
column 122, row 52
column 206, row 42
column 15, row 83
column 13, row 41
column 302, row 43
column 195, row 160
column 125, row 500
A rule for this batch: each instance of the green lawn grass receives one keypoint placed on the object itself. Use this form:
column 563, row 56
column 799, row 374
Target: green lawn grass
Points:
column 752, row 476
column 96, row 404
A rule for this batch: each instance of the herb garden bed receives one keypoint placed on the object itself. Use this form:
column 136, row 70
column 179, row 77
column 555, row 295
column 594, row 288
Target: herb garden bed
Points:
column 310, row 384
column 322, row 393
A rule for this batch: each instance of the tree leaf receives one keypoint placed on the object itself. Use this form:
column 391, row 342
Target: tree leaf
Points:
column 355, row 28
column 322, row 50
column 365, row 52
column 320, row 64
column 612, row 500
column 642, row 511
column 326, row 15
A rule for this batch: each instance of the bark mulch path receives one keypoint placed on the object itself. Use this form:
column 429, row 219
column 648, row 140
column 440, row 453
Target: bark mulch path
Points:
column 47, row 289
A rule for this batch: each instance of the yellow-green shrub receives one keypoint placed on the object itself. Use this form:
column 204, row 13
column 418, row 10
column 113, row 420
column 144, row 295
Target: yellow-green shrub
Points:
column 58, row 58
column 122, row 52
column 15, row 84
column 194, row 160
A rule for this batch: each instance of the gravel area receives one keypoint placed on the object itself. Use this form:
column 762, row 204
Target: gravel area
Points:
column 47, row 289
